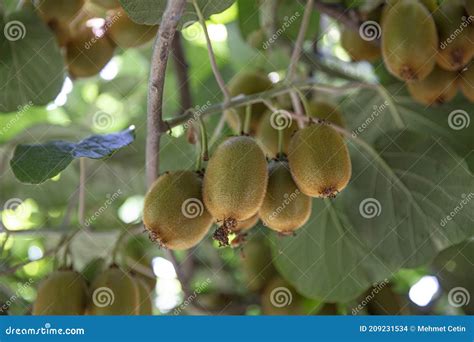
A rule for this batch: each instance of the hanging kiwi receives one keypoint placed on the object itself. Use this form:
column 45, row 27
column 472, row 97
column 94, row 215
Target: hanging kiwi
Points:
column 431, row 5
column 319, row 161
column 247, row 83
column 409, row 41
column 245, row 225
column 466, row 82
column 235, row 183
column 144, row 299
column 268, row 131
column 174, row 213
column 439, row 87
column 60, row 10
column 285, row 208
column 456, row 47
column 87, row 53
column 114, row 293
column 63, row 292
column 256, row 263
column 357, row 48
column 126, row 33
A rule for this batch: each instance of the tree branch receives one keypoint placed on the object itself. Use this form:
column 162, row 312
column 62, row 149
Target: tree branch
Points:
column 182, row 75
column 340, row 14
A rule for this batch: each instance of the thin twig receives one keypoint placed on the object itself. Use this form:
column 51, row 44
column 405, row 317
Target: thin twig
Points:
column 339, row 13
column 182, row 74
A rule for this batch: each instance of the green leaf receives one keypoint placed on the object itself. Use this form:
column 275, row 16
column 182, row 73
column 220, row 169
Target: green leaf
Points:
column 31, row 65
column 390, row 216
column 149, row 12
column 35, row 164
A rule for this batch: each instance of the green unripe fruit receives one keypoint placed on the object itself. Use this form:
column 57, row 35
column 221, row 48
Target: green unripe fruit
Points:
column 114, row 292
column 257, row 266
column 126, row 33
column 61, row 10
column 357, row 48
column 87, row 54
column 144, row 300
column 319, row 161
column 285, row 208
column 466, row 82
column 456, row 46
column 280, row 298
column 247, row 83
column 106, row 4
column 326, row 111
column 174, row 212
column 438, row 88
column 235, row 183
column 409, row 41
column 64, row 292
column 268, row 130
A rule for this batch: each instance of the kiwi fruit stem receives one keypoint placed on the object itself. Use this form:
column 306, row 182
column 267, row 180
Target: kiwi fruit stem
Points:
column 204, row 147
column 280, row 143
column 248, row 119
column 303, row 100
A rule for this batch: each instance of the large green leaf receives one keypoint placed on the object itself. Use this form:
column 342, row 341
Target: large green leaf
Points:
column 150, row 11
column 31, row 65
column 390, row 216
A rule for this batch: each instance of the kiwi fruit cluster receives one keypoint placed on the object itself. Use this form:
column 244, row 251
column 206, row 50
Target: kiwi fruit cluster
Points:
column 95, row 291
column 428, row 44
column 247, row 178
column 89, row 31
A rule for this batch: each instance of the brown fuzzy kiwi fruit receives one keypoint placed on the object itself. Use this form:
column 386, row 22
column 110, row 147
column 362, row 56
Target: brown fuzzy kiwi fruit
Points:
column 235, row 183
column 469, row 4
column 285, row 208
column 113, row 293
column 456, row 47
column 280, row 298
column 319, row 161
column 247, row 83
column 409, row 41
column 87, row 53
column 357, row 48
column 93, row 268
column 144, row 299
column 246, row 225
column 439, row 87
column 268, row 130
column 106, row 4
column 431, row 5
column 256, row 39
column 256, row 263
column 63, row 292
column 174, row 212
column 466, row 82
column 61, row 10
column 326, row 111
column 61, row 31
column 126, row 33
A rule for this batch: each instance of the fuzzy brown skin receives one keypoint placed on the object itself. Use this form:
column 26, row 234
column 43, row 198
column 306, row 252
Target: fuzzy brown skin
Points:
column 358, row 48
column 235, row 180
column 174, row 212
column 125, row 294
column 457, row 53
column 61, row 10
column 247, row 83
column 285, row 208
column 319, row 161
column 267, row 135
column 64, row 292
column 144, row 299
column 83, row 62
column 466, row 82
column 439, row 87
column 246, row 225
column 326, row 111
column 126, row 33
column 409, row 41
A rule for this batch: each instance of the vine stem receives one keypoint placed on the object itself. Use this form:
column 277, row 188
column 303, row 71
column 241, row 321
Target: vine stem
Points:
column 82, row 191
column 248, row 119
